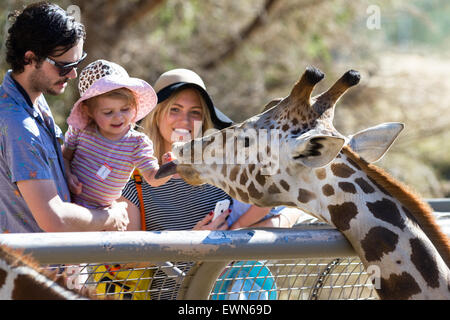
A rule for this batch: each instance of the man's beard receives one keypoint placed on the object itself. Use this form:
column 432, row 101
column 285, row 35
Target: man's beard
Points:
column 40, row 83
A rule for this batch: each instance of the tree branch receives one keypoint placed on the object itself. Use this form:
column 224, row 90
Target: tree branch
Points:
column 246, row 33
column 136, row 12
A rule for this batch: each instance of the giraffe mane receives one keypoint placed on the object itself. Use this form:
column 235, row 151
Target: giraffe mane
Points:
column 420, row 210
column 16, row 258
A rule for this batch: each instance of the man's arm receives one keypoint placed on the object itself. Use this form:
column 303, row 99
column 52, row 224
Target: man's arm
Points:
column 54, row 215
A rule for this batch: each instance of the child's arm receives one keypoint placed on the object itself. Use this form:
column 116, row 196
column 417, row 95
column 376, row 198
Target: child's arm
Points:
column 253, row 215
column 72, row 181
column 149, row 175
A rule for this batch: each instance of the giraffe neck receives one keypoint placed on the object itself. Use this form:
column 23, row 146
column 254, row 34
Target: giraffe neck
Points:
column 20, row 279
column 415, row 209
column 390, row 229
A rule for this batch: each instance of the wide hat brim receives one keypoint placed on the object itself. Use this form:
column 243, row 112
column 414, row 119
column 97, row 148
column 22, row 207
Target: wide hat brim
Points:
column 146, row 97
column 219, row 119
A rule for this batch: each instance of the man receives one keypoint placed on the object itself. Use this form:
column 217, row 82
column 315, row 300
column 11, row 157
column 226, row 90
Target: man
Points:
column 44, row 48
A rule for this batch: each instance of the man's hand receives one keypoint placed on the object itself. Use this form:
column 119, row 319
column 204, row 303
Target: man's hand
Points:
column 118, row 213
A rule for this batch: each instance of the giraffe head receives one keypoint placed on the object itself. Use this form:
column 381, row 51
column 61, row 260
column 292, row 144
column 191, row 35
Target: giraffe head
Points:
column 252, row 160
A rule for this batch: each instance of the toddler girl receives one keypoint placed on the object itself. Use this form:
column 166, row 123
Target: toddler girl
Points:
column 101, row 148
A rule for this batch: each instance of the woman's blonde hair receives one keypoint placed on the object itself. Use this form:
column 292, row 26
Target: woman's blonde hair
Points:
column 120, row 93
column 150, row 124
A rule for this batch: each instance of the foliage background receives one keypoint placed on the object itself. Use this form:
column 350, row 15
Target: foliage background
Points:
column 249, row 52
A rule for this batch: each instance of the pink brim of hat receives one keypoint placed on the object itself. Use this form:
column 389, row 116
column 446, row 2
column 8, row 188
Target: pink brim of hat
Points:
column 145, row 96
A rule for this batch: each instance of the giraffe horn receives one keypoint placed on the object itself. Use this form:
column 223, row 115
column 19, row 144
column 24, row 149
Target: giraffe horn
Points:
column 329, row 98
column 303, row 88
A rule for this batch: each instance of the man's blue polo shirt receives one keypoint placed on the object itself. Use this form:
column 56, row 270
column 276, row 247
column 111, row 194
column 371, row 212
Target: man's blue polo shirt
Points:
column 30, row 149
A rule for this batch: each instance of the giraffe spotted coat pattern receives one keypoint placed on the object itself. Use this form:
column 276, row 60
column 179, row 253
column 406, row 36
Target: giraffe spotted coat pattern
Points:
column 22, row 279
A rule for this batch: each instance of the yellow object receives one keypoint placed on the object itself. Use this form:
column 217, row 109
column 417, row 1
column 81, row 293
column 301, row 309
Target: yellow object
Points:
column 126, row 284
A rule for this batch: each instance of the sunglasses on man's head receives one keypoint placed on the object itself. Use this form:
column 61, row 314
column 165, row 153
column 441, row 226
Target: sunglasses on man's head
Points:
column 66, row 68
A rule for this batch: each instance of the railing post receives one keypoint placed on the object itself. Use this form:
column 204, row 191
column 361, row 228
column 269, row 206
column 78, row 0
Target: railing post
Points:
column 199, row 282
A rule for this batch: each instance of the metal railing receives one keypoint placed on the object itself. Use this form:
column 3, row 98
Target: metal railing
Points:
column 440, row 204
column 310, row 261
column 313, row 262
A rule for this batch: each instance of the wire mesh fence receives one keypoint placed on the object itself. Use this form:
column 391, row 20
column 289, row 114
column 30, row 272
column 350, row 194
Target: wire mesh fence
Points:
column 295, row 279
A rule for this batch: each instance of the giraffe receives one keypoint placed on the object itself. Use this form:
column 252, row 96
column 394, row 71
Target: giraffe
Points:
column 333, row 178
column 22, row 279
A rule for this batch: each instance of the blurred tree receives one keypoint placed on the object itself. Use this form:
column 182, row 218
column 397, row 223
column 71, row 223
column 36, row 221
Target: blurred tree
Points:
column 249, row 52
column 256, row 23
column 108, row 22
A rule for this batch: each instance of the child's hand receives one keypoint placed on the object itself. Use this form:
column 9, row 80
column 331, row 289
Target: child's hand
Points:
column 167, row 157
column 75, row 186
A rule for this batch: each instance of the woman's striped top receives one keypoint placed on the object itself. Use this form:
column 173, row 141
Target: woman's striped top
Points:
column 175, row 205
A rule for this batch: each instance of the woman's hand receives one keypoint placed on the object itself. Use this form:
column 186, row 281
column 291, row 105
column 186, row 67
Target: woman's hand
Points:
column 218, row 224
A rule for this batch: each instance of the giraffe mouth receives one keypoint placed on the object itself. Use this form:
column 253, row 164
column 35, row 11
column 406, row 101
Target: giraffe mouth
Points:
column 167, row 169
column 189, row 174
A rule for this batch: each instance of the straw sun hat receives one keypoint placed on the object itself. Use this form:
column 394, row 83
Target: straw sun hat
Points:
column 178, row 79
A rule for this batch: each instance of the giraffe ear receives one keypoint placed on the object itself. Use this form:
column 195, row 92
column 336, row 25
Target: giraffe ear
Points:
column 272, row 104
column 373, row 143
column 317, row 150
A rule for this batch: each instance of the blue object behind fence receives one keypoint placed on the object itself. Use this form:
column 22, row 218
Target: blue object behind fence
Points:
column 245, row 280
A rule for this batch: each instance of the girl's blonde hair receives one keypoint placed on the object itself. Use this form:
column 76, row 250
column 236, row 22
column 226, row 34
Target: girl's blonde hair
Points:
column 150, row 124
column 120, row 93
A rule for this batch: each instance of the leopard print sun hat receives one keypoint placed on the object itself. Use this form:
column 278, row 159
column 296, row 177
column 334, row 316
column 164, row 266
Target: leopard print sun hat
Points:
column 102, row 76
